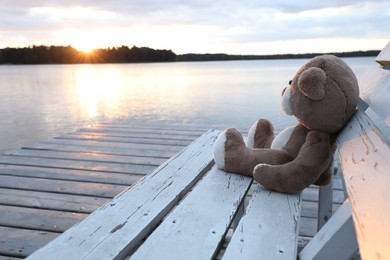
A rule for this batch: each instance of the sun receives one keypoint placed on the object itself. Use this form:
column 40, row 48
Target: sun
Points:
column 84, row 47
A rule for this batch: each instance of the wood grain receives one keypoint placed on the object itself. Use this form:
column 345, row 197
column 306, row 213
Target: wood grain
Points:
column 364, row 156
column 268, row 229
column 133, row 214
column 197, row 226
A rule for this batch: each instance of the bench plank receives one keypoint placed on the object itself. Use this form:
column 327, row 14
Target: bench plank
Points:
column 365, row 159
column 376, row 92
column 120, row 225
column 336, row 240
column 269, row 229
column 197, row 226
column 384, row 56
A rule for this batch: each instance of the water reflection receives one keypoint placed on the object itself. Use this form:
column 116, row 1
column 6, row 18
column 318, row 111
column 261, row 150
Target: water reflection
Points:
column 37, row 102
column 98, row 88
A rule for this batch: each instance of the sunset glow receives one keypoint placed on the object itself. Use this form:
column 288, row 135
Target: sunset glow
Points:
column 84, row 47
column 245, row 27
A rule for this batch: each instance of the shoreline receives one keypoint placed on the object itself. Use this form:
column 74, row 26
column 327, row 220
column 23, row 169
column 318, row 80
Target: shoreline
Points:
column 125, row 55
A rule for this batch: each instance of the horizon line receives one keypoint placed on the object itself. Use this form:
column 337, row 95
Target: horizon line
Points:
column 192, row 53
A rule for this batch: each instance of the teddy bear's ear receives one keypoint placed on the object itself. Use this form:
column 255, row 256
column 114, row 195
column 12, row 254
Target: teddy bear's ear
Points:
column 312, row 83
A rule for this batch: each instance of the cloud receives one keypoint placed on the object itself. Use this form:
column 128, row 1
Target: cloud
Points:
column 198, row 24
column 350, row 21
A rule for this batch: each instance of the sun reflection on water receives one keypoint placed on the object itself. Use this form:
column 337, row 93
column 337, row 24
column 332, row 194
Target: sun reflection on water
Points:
column 98, row 90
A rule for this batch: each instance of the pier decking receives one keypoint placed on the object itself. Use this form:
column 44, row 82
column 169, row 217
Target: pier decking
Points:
column 48, row 187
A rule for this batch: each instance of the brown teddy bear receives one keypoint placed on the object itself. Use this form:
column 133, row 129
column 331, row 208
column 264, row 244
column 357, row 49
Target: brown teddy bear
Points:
column 322, row 96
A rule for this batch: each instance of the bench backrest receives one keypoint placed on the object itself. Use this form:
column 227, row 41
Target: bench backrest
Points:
column 364, row 151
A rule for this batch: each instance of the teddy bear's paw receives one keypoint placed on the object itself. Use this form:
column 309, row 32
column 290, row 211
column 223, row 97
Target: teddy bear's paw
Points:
column 229, row 149
column 260, row 171
column 261, row 134
column 234, row 139
column 261, row 166
column 219, row 150
column 270, row 177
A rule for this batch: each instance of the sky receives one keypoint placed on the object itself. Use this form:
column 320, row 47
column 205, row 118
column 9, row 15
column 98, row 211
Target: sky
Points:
column 199, row 26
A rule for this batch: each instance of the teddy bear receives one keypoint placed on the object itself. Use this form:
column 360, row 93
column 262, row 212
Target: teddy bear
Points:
column 322, row 96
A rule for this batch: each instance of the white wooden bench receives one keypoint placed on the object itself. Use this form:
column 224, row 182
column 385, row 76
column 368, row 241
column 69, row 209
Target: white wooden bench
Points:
column 185, row 208
column 364, row 151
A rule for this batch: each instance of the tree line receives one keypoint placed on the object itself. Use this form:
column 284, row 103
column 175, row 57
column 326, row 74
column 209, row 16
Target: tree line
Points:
column 222, row 56
column 69, row 55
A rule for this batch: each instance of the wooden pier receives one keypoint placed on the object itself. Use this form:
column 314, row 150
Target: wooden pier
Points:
column 47, row 187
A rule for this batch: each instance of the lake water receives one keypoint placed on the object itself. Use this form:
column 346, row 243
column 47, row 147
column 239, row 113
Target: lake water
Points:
column 41, row 101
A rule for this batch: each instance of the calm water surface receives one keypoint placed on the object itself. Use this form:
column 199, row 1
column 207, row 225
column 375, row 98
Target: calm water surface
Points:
column 41, row 101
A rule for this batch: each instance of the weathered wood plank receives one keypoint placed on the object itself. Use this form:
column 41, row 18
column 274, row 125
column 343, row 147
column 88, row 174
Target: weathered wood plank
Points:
column 269, row 229
column 307, row 226
column 22, row 242
column 102, row 150
column 182, row 135
column 325, row 204
column 9, row 258
column 376, row 92
column 52, row 201
column 311, row 194
column 134, row 213
column 364, row 156
column 77, row 164
column 194, row 128
column 93, row 157
column 91, row 136
column 338, row 183
column 38, row 219
column 68, row 174
column 196, row 227
column 384, row 56
column 155, row 147
column 146, row 131
column 59, row 186
column 336, row 240
column 310, row 208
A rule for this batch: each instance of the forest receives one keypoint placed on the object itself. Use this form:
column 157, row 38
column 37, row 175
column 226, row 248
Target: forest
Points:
column 69, row 55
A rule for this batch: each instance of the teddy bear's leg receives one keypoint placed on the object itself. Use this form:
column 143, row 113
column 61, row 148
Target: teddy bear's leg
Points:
column 232, row 155
column 229, row 150
column 313, row 159
column 261, row 134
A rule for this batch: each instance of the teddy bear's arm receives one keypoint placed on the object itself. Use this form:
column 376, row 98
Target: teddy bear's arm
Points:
column 296, row 140
column 313, row 159
column 326, row 176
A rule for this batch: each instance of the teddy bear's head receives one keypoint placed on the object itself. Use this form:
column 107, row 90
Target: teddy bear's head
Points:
column 323, row 94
